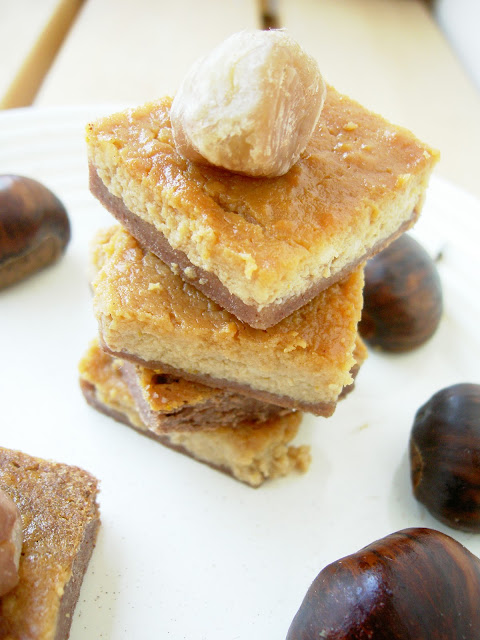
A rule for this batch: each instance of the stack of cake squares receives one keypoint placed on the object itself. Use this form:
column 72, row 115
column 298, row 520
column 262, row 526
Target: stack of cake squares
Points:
column 227, row 305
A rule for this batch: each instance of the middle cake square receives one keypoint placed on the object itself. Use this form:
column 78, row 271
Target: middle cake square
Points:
column 149, row 315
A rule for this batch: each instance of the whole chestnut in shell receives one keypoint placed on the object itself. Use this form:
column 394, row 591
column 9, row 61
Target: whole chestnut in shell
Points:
column 403, row 300
column 445, row 456
column 416, row 584
column 34, row 228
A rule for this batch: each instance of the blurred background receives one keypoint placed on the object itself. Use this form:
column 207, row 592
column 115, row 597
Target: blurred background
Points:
column 459, row 20
column 415, row 61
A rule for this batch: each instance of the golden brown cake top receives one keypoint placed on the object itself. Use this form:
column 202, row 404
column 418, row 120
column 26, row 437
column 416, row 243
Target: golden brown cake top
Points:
column 57, row 503
column 138, row 287
column 355, row 164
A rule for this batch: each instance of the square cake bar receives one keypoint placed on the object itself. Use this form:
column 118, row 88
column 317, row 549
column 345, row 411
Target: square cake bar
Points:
column 148, row 315
column 60, row 520
column 262, row 247
column 251, row 452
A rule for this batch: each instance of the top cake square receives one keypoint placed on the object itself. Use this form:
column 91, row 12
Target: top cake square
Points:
column 262, row 247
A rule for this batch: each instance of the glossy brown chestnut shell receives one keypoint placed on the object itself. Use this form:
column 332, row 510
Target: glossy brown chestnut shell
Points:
column 416, row 584
column 34, row 228
column 445, row 456
column 402, row 297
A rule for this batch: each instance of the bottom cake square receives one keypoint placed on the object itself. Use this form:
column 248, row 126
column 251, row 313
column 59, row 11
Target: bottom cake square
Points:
column 251, row 452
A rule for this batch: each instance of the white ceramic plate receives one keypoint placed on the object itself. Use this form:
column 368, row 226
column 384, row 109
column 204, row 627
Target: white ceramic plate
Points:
column 184, row 551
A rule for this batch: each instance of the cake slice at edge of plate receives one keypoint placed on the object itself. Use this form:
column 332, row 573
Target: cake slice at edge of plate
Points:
column 60, row 522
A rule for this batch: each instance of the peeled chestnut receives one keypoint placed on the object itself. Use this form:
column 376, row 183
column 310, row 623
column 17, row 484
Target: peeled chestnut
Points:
column 402, row 297
column 34, row 228
column 416, row 584
column 445, row 456
column 249, row 106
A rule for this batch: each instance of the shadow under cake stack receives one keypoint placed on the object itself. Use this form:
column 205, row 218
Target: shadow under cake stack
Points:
column 228, row 304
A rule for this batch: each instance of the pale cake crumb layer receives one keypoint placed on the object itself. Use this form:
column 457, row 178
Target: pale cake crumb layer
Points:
column 60, row 519
column 149, row 315
column 360, row 181
column 252, row 453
